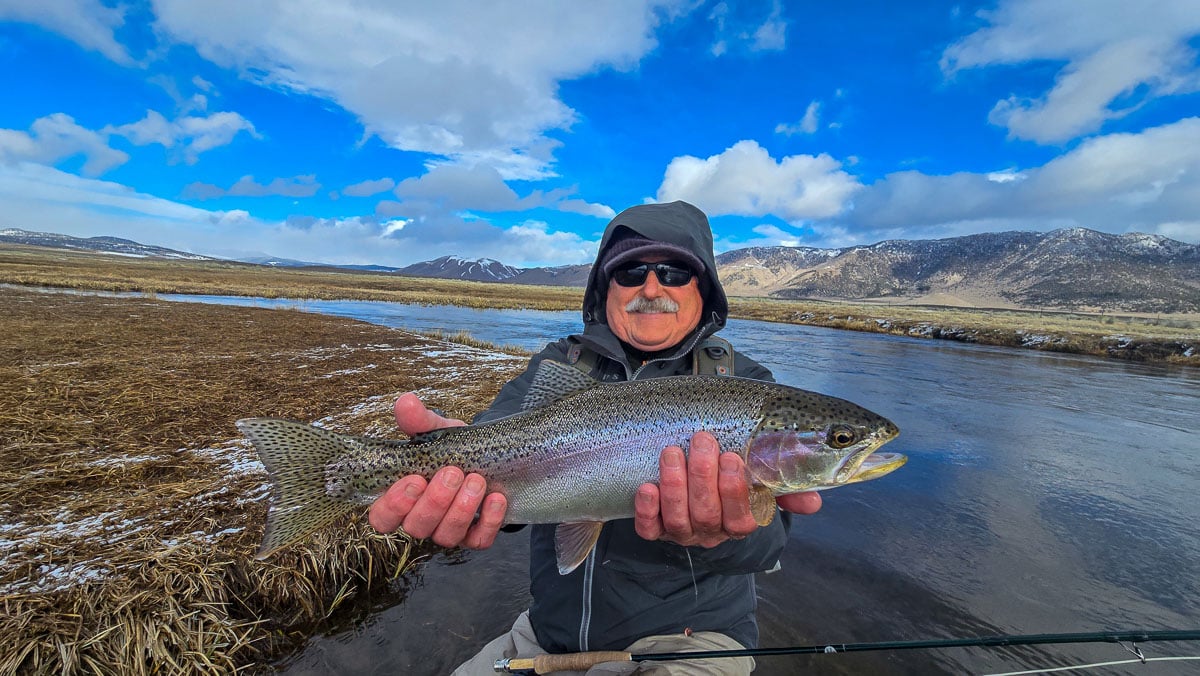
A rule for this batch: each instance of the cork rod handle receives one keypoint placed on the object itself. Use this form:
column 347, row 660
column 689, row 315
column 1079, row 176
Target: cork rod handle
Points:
column 545, row 664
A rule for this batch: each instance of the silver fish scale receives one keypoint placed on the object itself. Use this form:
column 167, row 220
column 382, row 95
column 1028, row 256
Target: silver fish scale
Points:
column 582, row 457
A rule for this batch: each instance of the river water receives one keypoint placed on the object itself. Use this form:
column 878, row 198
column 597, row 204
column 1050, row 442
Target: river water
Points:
column 1044, row 494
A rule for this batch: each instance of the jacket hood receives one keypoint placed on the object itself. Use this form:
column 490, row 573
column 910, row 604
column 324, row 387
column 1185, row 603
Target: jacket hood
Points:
column 677, row 223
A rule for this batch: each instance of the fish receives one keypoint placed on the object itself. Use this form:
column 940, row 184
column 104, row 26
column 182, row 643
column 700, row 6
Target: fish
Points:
column 578, row 450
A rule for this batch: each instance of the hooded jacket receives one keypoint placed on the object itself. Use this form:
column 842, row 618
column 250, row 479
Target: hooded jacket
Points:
column 630, row 587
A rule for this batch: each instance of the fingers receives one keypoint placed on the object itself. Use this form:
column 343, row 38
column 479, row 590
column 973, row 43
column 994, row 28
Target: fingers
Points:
column 491, row 517
column 736, row 518
column 673, row 495
column 413, row 418
column 800, row 503
column 702, row 499
column 443, row 509
column 647, row 519
column 388, row 510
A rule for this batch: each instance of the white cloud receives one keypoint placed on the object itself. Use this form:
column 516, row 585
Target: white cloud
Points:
column 447, row 189
column 771, row 36
column 746, row 180
column 741, row 26
column 1184, row 231
column 37, row 197
column 806, row 125
column 468, row 81
column 57, row 137
column 368, row 188
column 1147, row 182
column 1111, row 49
column 88, row 23
column 246, row 186
column 586, row 208
column 190, row 135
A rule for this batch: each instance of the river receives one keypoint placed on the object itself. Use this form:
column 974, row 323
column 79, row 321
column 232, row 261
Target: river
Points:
column 1044, row 493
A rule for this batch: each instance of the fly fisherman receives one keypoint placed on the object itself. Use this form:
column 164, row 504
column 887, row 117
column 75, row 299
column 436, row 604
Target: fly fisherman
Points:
column 686, row 561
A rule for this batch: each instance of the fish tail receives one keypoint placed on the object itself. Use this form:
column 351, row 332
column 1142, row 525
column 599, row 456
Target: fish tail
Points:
column 295, row 456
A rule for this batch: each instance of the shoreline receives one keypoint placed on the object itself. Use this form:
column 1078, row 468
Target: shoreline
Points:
column 1167, row 339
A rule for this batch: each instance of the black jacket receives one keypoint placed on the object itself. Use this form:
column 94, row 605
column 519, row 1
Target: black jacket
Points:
column 630, row 587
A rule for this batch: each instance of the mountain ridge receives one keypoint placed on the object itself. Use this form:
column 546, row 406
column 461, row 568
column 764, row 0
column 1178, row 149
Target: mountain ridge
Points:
column 1069, row 269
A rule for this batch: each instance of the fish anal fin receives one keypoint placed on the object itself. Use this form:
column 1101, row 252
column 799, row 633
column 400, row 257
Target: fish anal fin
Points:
column 762, row 505
column 573, row 542
column 555, row 380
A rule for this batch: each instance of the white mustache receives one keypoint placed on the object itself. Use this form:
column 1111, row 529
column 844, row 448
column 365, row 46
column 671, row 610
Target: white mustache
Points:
column 643, row 304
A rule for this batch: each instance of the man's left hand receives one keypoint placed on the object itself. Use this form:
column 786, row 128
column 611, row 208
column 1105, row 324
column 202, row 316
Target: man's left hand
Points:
column 703, row 498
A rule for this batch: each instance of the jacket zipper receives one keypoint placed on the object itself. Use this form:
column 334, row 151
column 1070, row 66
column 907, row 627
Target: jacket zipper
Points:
column 585, row 619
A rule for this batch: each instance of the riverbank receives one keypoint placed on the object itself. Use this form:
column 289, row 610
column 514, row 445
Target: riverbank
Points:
column 1165, row 338
column 130, row 506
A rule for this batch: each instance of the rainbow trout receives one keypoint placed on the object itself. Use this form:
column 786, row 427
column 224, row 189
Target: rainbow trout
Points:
column 578, row 451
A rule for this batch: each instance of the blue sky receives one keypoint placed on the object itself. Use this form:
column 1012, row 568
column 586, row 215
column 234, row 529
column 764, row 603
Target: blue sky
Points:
column 390, row 133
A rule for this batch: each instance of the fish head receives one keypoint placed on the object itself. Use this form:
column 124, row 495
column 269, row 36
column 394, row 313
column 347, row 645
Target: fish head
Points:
column 807, row 441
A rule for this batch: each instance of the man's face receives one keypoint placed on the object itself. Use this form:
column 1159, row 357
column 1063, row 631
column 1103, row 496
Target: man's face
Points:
column 653, row 317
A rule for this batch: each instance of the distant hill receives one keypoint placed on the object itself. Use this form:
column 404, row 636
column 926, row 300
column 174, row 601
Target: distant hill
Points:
column 1072, row 268
column 275, row 261
column 108, row 245
column 453, row 267
column 563, row 275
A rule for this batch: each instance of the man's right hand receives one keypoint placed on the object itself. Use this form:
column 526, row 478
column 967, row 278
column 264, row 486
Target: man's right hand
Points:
column 444, row 507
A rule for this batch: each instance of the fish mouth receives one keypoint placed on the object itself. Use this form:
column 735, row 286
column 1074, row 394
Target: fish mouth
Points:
column 876, row 465
column 866, row 463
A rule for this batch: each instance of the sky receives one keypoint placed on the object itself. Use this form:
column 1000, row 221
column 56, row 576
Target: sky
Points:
column 388, row 133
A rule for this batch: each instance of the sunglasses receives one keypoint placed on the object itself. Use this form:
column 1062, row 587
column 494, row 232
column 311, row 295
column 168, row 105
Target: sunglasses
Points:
column 671, row 273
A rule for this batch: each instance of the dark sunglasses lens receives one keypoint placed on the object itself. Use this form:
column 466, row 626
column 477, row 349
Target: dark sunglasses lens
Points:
column 672, row 275
column 634, row 276
column 668, row 274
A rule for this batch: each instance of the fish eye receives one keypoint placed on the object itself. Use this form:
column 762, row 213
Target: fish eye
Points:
column 841, row 436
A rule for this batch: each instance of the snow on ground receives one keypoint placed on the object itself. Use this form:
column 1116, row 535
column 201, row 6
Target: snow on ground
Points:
column 69, row 547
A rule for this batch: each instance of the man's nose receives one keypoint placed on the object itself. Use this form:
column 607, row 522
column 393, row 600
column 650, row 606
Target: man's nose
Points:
column 651, row 288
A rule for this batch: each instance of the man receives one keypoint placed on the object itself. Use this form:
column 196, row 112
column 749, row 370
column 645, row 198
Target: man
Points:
column 679, row 575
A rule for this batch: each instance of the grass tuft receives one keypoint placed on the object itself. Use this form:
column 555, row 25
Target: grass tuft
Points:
column 130, row 507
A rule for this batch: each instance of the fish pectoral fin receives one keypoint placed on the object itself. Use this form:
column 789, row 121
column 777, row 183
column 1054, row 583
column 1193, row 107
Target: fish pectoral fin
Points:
column 762, row 505
column 573, row 542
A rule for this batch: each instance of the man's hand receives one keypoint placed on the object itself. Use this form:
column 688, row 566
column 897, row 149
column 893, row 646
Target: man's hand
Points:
column 444, row 507
column 800, row 503
column 703, row 498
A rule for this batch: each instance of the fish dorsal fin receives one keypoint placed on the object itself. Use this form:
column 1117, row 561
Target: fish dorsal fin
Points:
column 762, row 505
column 553, row 381
column 573, row 542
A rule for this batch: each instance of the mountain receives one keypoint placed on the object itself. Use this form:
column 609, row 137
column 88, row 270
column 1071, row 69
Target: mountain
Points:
column 109, row 245
column 1073, row 268
column 563, row 275
column 275, row 261
column 1070, row 269
column 453, row 267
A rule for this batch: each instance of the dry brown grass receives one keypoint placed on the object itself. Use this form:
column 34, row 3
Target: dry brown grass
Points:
column 130, row 511
column 36, row 266
column 1172, row 338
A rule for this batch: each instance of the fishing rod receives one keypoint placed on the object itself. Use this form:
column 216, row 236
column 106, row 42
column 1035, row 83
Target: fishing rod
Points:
column 544, row 664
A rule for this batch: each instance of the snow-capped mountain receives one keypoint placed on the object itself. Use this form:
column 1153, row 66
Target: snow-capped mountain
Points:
column 108, row 245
